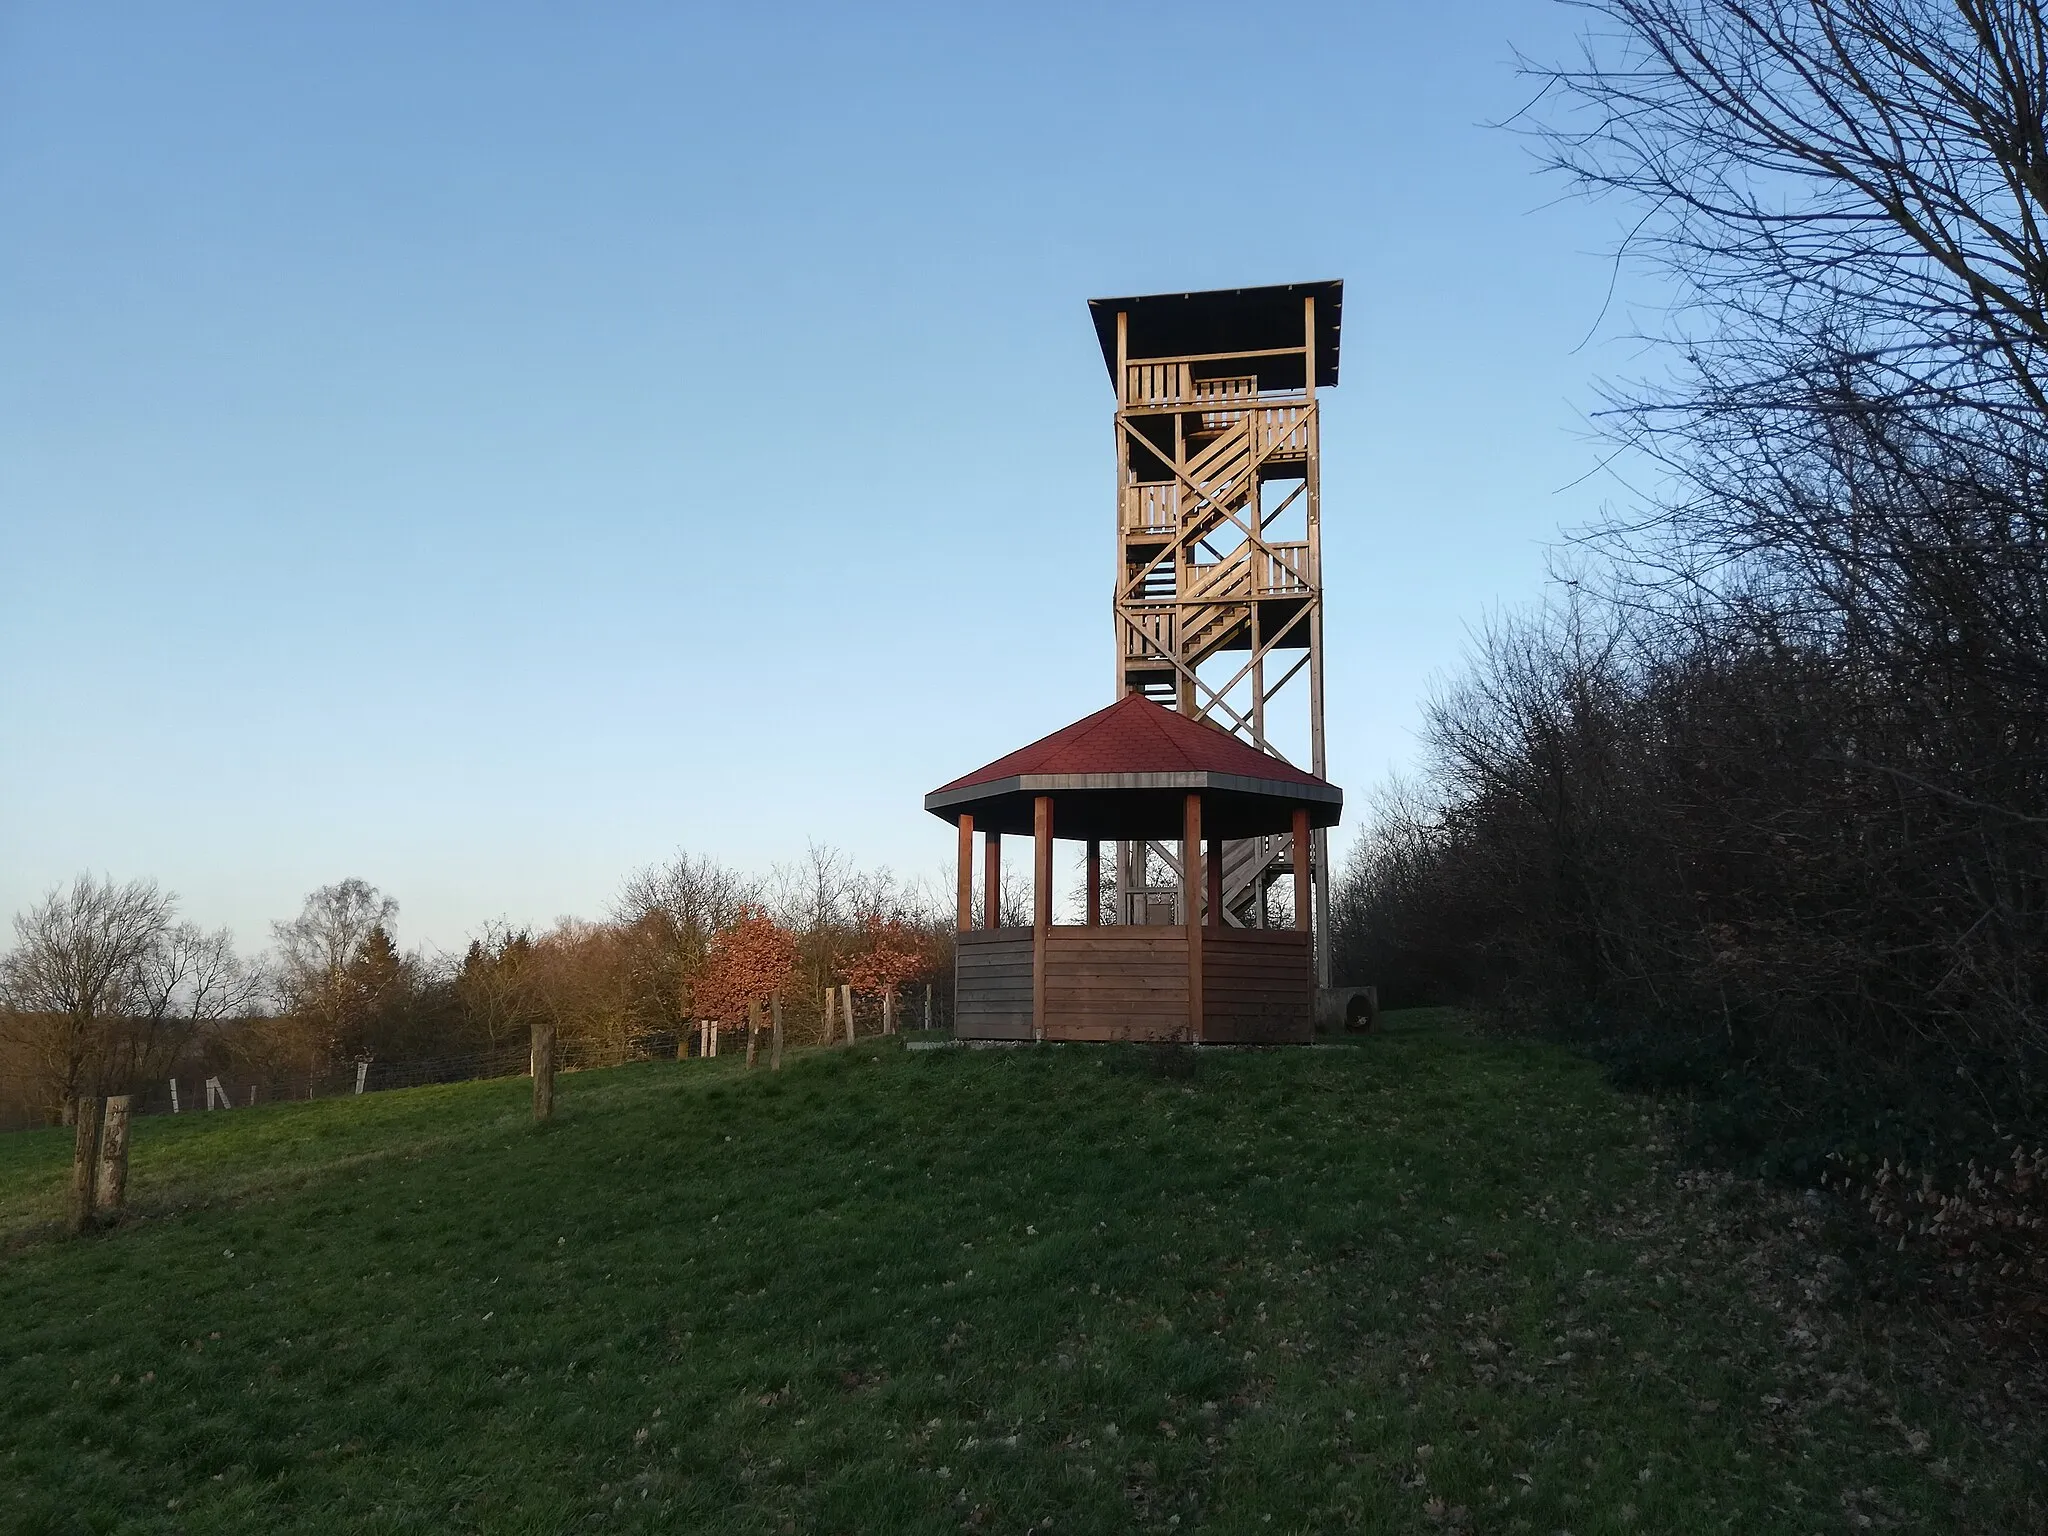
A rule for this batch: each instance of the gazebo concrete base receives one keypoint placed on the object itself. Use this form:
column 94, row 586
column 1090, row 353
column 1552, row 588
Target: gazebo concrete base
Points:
column 1121, row 983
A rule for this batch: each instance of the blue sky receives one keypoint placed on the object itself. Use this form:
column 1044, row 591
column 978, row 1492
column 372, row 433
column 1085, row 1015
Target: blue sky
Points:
column 483, row 448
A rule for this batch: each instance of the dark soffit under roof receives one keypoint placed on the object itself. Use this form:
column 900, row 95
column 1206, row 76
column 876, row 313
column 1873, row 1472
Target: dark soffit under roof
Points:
column 1228, row 320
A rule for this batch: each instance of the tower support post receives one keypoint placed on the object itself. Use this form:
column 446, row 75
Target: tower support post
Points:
column 1041, row 906
column 1190, row 905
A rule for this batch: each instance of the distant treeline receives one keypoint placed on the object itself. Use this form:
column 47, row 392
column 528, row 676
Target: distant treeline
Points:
column 104, row 991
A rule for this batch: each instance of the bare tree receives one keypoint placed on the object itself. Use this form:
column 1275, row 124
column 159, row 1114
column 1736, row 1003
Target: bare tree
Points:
column 1851, row 197
column 1868, row 175
column 315, row 951
column 72, row 975
column 1015, row 908
column 189, row 978
column 577, row 977
column 669, row 914
column 696, row 894
column 814, row 899
column 813, row 894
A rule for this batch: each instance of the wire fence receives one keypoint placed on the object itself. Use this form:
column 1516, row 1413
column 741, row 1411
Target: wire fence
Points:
column 232, row 1087
column 195, row 1087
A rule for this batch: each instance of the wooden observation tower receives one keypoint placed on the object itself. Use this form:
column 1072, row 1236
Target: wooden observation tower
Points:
column 1219, row 595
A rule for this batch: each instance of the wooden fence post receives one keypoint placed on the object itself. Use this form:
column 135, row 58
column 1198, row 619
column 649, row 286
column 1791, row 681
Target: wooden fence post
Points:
column 846, row 1006
column 753, row 1030
column 889, row 1011
column 831, row 1023
column 775, row 1050
column 111, row 1189
column 85, row 1161
column 174, row 1095
column 543, row 1068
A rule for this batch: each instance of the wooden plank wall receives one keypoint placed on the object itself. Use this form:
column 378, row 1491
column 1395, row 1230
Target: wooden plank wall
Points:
column 1116, row 984
column 1256, row 986
column 1132, row 984
column 992, row 984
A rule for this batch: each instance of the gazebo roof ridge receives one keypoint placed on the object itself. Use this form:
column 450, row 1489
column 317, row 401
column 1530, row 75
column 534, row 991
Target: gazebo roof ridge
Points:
column 1135, row 735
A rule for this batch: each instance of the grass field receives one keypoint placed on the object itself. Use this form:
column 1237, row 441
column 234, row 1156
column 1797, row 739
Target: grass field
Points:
column 1429, row 1282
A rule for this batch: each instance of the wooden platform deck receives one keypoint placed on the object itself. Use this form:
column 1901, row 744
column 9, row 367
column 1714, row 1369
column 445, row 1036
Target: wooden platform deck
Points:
column 1132, row 984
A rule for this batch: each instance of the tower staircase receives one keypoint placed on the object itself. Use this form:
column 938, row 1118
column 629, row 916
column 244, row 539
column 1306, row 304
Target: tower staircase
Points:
column 1181, row 609
column 1218, row 600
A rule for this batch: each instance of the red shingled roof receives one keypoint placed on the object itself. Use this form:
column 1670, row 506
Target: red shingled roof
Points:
column 1134, row 735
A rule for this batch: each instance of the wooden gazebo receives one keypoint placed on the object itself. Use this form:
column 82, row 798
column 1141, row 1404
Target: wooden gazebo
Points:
column 1138, row 772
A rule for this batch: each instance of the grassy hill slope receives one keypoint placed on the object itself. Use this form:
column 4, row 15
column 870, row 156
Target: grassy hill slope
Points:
column 1427, row 1283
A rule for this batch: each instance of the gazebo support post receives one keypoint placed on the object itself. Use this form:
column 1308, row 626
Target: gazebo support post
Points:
column 1302, row 895
column 1190, row 892
column 1094, row 882
column 1041, row 906
column 992, row 877
column 966, row 894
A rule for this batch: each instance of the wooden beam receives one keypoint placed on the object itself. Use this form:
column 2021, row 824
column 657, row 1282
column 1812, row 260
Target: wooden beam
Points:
column 1302, row 898
column 1212, row 357
column 85, row 1159
column 992, row 877
column 111, row 1191
column 1190, row 890
column 1041, row 906
column 966, row 892
column 1122, row 684
column 1123, row 353
column 543, row 1033
column 1094, row 882
column 1308, row 338
column 1212, row 907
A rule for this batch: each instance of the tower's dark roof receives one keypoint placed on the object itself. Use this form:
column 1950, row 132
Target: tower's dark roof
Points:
column 1228, row 320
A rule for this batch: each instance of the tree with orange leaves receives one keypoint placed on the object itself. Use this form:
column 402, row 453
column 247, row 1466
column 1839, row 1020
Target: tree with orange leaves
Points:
column 750, row 959
column 891, row 954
